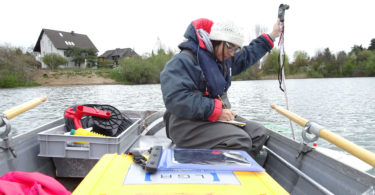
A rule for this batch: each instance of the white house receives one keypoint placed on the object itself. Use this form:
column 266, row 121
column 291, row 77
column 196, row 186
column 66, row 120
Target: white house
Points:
column 53, row 41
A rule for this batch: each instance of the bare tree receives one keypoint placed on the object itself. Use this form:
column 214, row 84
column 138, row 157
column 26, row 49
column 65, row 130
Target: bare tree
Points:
column 259, row 29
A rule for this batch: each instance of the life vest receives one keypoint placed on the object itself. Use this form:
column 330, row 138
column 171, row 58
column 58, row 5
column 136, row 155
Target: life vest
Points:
column 216, row 82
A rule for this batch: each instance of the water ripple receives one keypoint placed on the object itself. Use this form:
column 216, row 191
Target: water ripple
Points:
column 345, row 106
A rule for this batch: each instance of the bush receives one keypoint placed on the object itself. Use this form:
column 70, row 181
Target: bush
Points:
column 249, row 74
column 52, row 60
column 140, row 70
column 314, row 74
column 106, row 64
column 13, row 66
column 13, row 79
column 31, row 62
column 111, row 73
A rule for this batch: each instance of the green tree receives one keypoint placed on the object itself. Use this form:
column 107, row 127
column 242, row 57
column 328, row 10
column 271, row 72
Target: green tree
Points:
column 361, row 60
column 372, row 45
column 340, row 60
column 301, row 62
column 271, row 63
column 349, row 67
column 323, row 64
column 356, row 49
column 330, row 63
column 52, row 60
column 79, row 55
column 369, row 64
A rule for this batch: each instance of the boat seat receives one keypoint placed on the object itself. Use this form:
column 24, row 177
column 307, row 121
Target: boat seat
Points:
column 154, row 134
column 145, row 142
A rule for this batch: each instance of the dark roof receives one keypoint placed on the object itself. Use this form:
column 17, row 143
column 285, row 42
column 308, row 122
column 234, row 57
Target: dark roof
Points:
column 118, row 52
column 63, row 40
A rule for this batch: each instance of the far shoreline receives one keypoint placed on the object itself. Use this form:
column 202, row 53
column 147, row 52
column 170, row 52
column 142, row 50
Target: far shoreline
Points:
column 98, row 80
column 50, row 78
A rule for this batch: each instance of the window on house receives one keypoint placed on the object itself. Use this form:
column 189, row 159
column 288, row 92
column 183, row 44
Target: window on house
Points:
column 66, row 53
column 61, row 35
column 69, row 43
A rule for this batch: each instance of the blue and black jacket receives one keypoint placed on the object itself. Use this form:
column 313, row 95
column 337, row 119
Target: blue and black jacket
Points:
column 191, row 83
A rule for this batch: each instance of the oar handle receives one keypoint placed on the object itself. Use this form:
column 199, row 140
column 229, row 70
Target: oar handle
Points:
column 23, row 107
column 333, row 138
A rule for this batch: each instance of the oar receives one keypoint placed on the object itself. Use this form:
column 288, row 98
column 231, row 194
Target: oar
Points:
column 337, row 140
column 7, row 115
column 23, row 107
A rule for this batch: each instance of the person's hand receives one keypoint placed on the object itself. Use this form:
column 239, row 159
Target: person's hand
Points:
column 227, row 115
column 276, row 29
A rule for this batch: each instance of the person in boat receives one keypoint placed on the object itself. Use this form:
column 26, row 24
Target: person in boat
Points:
column 195, row 82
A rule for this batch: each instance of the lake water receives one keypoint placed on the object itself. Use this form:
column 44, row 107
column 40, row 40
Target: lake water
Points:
column 345, row 106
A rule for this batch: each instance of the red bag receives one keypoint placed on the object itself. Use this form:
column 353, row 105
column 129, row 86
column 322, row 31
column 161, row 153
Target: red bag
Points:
column 18, row 182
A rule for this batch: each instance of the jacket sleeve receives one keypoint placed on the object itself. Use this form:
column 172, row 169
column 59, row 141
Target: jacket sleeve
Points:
column 252, row 53
column 180, row 82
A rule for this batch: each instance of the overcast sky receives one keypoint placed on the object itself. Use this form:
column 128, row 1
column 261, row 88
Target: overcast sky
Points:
column 309, row 25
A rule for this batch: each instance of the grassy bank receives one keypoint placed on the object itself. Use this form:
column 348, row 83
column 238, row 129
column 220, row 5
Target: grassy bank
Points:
column 12, row 79
column 101, row 76
column 74, row 76
column 14, row 66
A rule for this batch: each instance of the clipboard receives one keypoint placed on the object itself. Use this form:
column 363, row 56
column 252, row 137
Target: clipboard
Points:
column 207, row 160
column 233, row 122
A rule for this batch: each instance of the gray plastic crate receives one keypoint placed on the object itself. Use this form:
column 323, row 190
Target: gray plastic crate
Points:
column 53, row 143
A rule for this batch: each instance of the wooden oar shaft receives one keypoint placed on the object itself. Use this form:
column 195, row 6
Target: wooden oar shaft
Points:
column 24, row 107
column 333, row 138
column 348, row 146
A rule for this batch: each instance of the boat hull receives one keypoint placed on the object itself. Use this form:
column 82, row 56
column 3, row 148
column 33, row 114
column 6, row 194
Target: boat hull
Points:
column 311, row 173
column 333, row 175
